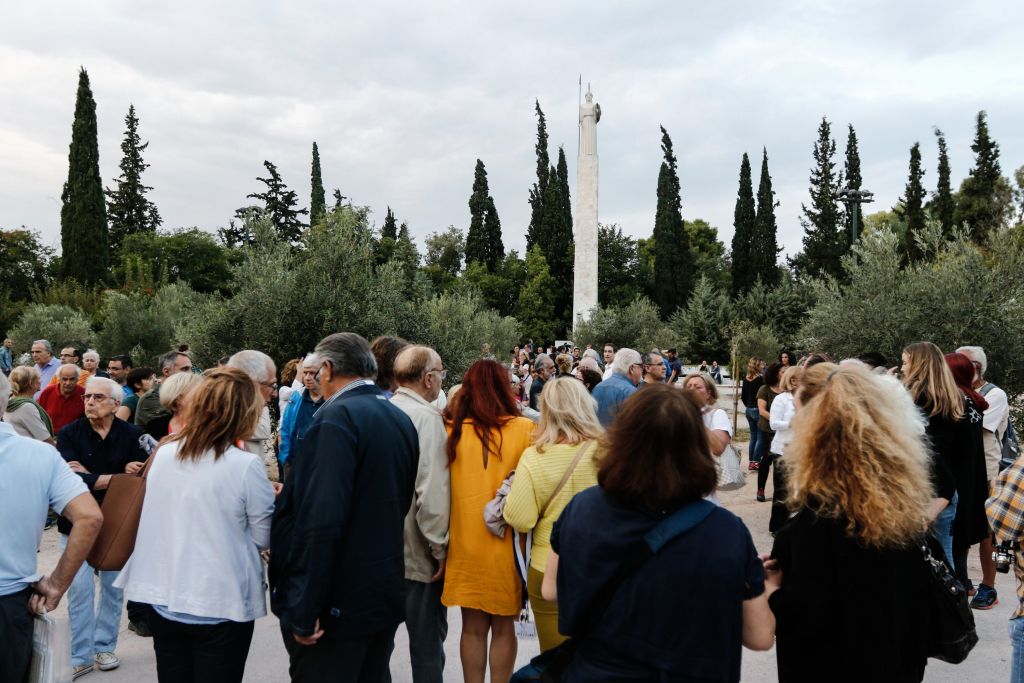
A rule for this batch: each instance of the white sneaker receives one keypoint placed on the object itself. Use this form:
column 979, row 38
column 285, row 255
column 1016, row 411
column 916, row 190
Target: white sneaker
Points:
column 80, row 671
column 105, row 661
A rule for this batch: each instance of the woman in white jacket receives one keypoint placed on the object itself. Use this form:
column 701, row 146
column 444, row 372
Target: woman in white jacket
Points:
column 205, row 518
column 781, row 416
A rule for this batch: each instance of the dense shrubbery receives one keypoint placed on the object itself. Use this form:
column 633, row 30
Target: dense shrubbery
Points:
column 61, row 325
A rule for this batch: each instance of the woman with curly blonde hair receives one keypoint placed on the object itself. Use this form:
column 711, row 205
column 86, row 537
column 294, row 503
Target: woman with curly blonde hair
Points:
column 854, row 586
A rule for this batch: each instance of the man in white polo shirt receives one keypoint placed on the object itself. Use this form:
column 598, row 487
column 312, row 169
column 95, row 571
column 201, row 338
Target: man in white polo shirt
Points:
column 33, row 478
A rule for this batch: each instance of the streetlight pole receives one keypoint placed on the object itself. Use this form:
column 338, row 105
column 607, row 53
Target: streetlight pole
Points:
column 853, row 198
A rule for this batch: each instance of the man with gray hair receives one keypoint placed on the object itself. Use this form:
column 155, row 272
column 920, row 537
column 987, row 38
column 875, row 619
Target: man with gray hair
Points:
column 63, row 401
column 6, row 356
column 97, row 447
column 419, row 373
column 994, row 423
column 299, row 412
column 261, row 368
column 545, row 369
column 33, row 478
column 46, row 364
column 149, row 403
column 337, row 572
column 609, row 394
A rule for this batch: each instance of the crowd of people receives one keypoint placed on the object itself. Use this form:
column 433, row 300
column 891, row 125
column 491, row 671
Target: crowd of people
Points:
column 573, row 490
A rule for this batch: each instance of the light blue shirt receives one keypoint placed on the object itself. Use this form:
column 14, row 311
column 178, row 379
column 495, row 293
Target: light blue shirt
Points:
column 610, row 394
column 33, row 477
column 6, row 359
column 45, row 375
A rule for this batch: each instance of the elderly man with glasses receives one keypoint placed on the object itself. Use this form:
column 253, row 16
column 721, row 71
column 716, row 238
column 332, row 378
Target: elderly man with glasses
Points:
column 261, row 368
column 96, row 447
column 627, row 369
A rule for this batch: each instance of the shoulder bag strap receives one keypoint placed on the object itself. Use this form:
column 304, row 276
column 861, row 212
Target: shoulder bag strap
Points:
column 565, row 478
column 676, row 524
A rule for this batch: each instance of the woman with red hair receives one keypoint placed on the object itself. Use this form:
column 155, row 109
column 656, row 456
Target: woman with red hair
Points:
column 970, row 525
column 486, row 437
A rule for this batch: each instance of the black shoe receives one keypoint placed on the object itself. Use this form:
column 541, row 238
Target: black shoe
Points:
column 760, row 496
column 141, row 629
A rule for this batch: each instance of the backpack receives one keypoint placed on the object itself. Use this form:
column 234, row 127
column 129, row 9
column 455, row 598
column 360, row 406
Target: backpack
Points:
column 1009, row 444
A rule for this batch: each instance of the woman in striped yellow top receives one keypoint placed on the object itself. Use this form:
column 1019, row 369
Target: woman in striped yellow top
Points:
column 568, row 425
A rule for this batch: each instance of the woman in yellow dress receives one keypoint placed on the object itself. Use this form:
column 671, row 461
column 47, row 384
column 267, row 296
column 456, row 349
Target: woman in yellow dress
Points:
column 486, row 436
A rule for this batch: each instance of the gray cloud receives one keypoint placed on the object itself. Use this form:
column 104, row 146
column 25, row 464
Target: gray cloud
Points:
column 403, row 98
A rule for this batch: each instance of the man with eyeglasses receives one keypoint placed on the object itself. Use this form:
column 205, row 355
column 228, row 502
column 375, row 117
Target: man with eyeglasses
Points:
column 298, row 413
column 149, row 405
column 63, row 401
column 97, row 446
column 419, row 373
column 69, row 355
column 545, row 369
column 261, row 368
column 653, row 369
column 627, row 369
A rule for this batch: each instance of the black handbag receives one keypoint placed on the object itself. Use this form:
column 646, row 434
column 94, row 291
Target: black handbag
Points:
column 952, row 635
column 548, row 667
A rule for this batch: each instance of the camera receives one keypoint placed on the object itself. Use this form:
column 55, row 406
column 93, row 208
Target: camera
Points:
column 1004, row 554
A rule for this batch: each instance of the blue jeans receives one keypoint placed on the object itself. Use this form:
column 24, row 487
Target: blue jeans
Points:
column 94, row 627
column 942, row 528
column 1016, row 629
column 755, row 434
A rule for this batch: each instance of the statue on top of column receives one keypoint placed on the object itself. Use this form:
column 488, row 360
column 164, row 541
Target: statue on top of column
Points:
column 590, row 114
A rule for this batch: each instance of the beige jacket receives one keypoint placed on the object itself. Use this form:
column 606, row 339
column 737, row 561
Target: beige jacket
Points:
column 426, row 525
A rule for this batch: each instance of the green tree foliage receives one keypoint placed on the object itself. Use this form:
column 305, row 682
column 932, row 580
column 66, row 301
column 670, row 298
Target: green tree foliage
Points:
column 563, row 189
column 853, row 181
column 390, row 228
column 280, row 204
column 24, row 262
column 618, row 267
column 539, row 189
column 982, row 201
column 744, row 217
column 636, row 325
column 943, row 203
column 61, row 324
column 753, row 342
column 536, row 308
column 500, row 290
column 483, row 241
column 960, row 294
column 824, row 239
column 406, row 255
column 192, row 256
column 129, row 211
column 913, row 205
column 556, row 243
column 317, row 199
column 673, row 260
column 709, row 258
column 781, row 308
column 445, row 253
column 83, row 215
column 704, row 324
column 146, row 325
column 765, row 251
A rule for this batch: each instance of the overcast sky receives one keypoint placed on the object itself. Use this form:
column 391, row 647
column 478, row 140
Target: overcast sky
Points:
column 404, row 97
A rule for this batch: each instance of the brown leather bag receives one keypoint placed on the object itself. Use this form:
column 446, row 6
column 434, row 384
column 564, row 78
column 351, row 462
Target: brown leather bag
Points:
column 122, row 509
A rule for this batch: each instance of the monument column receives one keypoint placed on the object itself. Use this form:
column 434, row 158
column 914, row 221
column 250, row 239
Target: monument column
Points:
column 584, row 291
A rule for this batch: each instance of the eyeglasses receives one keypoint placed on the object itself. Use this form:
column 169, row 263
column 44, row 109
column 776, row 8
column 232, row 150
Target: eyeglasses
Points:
column 272, row 385
column 68, row 355
column 94, row 397
column 441, row 372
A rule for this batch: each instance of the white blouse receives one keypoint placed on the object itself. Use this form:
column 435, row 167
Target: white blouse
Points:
column 780, row 416
column 203, row 525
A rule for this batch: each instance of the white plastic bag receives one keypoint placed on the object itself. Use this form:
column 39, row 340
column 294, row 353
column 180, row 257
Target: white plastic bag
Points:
column 51, row 650
column 730, row 475
column 526, row 629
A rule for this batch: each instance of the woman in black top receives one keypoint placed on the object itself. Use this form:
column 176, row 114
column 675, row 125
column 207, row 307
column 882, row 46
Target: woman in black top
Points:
column 931, row 385
column 684, row 614
column 765, row 396
column 752, row 381
column 854, row 603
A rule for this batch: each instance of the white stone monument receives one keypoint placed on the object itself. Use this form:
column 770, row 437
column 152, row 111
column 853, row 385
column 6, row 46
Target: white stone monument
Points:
column 584, row 290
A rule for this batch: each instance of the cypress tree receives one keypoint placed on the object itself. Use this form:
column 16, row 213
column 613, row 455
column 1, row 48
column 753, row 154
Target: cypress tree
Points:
column 483, row 240
column 913, row 204
column 540, row 187
column 563, row 188
column 823, row 240
column 555, row 242
column 318, row 199
column 765, row 244
column 390, row 228
column 853, row 181
column 943, row 205
column 978, row 205
column 279, row 203
column 128, row 209
column 742, row 238
column 672, row 258
column 83, row 217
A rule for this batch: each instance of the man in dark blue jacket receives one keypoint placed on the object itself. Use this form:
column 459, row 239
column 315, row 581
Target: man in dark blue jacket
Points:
column 337, row 556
